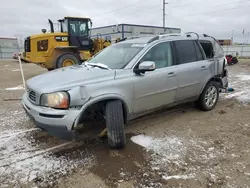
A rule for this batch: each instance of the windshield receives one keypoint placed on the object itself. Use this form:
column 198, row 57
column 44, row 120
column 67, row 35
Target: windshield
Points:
column 78, row 27
column 117, row 56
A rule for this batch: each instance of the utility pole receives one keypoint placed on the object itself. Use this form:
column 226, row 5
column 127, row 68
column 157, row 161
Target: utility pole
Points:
column 247, row 37
column 164, row 12
column 232, row 37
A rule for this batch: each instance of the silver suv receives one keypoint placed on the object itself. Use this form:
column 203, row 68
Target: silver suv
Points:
column 126, row 80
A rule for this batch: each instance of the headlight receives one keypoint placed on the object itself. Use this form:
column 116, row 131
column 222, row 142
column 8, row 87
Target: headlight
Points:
column 55, row 100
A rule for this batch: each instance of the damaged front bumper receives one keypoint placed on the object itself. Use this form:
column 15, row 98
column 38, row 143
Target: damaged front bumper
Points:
column 58, row 123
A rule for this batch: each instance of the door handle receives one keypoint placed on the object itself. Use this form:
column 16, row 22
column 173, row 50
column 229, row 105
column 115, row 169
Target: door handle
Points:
column 171, row 74
column 203, row 68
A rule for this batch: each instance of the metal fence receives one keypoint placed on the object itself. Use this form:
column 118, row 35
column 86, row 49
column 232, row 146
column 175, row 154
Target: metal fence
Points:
column 7, row 52
column 243, row 51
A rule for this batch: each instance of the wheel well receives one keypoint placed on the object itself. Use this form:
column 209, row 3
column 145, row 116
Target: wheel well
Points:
column 216, row 79
column 97, row 109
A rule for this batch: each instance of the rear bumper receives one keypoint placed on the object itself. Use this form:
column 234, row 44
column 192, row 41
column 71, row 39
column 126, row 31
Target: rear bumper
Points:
column 224, row 79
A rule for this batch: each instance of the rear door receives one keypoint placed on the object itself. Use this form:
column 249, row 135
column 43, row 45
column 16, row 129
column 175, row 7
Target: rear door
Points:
column 192, row 69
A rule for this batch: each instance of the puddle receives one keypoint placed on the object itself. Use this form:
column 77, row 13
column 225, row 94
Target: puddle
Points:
column 112, row 166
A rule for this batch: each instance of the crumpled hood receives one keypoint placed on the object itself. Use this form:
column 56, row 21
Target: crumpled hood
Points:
column 69, row 77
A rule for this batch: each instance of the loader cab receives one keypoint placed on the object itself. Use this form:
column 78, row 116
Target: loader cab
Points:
column 78, row 30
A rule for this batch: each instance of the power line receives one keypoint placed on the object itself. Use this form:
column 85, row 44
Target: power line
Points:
column 131, row 5
column 131, row 14
column 144, row 9
column 217, row 10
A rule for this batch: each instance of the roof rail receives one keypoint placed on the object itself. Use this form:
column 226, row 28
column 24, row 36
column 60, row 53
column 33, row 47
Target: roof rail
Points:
column 188, row 34
column 163, row 36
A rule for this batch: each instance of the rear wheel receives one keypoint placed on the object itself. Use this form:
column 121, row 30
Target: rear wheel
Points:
column 209, row 96
column 66, row 60
column 115, row 124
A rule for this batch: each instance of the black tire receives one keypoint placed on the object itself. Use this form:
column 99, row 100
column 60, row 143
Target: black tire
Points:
column 202, row 99
column 68, row 56
column 115, row 124
column 235, row 60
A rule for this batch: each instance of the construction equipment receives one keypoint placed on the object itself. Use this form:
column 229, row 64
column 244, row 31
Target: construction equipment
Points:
column 70, row 46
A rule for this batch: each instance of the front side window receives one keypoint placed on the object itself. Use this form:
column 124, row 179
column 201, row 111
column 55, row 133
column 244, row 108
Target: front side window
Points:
column 185, row 50
column 117, row 56
column 161, row 54
column 78, row 27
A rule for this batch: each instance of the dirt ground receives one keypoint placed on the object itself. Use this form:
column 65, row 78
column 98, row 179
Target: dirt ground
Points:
column 181, row 147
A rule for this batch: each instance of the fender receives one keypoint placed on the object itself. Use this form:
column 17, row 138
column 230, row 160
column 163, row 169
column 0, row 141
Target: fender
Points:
column 103, row 98
column 222, row 81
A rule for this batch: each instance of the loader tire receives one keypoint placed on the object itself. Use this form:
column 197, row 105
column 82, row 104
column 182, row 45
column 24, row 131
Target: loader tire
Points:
column 67, row 60
column 115, row 124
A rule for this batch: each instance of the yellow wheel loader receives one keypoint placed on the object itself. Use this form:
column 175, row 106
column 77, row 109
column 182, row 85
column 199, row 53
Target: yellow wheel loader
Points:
column 70, row 46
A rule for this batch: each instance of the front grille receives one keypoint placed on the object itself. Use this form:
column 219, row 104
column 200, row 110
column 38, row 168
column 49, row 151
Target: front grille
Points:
column 32, row 96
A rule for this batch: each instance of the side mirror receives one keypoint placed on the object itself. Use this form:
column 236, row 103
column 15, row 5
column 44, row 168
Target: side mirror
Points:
column 146, row 66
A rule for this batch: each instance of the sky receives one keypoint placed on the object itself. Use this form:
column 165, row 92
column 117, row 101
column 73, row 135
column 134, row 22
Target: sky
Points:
column 220, row 18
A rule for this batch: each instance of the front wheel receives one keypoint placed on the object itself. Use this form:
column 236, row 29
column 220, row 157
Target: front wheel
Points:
column 115, row 124
column 209, row 96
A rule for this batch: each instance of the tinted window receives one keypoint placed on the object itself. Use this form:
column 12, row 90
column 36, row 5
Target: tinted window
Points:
column 208, row 48
column 198, row 52
column 185, row 51
column 161, row 54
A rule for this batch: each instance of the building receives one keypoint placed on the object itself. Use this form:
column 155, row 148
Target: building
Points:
column 8, row 46
column 112, row 32
column 225, row 42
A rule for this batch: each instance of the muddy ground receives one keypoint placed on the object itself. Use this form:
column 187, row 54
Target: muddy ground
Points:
column 181, row 147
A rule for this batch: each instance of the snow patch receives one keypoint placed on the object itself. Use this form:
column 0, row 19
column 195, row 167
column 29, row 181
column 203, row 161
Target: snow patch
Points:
column 20, row 87
column 6, row 65
column 242, row 96
column 23, row 160
column 185, row 177
column 142, row 140
column 170, row 149
column 244, row 77
column 15, row 70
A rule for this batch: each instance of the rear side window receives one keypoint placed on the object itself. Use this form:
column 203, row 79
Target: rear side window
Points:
column 218, row 49
column 208, row 48
column 185, row 51
column 198, row 52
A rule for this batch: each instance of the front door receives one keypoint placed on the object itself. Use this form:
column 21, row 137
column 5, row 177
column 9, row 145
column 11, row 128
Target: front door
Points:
column 157, row 88
column 79, row 34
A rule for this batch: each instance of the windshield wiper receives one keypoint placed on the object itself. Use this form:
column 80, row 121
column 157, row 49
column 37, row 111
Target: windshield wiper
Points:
column 99, row 65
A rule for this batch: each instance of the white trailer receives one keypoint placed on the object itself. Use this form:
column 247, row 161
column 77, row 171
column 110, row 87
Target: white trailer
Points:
column 112, row 32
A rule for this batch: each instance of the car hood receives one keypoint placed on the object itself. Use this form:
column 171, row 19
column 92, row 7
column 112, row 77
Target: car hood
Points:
column 69, row 77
